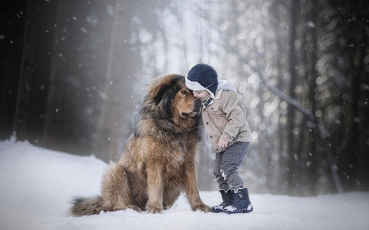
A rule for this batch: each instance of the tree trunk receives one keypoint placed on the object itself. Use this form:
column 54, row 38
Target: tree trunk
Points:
column 119, row 86
column 54, row 124
column 12, row 24
column 292, row 84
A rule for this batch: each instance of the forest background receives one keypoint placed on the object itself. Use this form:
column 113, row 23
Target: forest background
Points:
column 73, row 73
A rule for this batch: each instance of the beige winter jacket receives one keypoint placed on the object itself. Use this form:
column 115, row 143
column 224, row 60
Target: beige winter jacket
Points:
column 225, row 118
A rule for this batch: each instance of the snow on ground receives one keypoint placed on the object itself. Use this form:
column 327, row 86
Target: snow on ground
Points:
column 36, row 186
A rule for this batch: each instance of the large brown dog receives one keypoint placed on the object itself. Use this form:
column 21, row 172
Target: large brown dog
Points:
column 159, row 158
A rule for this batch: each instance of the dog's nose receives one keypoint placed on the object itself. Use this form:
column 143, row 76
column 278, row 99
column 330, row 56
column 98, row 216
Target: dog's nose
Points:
column 197, row 103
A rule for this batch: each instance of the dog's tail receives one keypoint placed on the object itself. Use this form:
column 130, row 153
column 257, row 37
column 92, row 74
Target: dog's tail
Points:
column 82, row 206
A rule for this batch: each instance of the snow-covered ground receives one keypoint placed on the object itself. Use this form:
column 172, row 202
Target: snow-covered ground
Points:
column 36, row 186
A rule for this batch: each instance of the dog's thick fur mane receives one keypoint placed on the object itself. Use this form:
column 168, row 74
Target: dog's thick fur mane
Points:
column 156, row 112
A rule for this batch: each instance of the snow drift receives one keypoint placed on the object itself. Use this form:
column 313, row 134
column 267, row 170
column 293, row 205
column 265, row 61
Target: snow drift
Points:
column 36, row 186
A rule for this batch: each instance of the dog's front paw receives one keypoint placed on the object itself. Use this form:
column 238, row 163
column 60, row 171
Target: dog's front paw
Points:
column 166, row 206
column 201, row 207
column 154, row 210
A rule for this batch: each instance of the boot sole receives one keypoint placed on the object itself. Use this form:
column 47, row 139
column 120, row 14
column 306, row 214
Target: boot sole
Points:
column 216, row 211
column 240, row 211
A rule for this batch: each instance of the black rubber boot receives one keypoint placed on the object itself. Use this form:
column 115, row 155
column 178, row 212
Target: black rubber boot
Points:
column 241, row 202
column 227, row 201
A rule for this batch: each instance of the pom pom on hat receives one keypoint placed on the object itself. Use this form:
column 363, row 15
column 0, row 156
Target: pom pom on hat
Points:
column 202, row 77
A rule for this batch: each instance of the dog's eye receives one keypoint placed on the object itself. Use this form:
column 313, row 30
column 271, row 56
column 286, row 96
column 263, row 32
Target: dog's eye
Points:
column 184, row 92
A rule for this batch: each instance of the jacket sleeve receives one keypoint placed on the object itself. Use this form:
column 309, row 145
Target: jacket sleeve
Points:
column 235, row 115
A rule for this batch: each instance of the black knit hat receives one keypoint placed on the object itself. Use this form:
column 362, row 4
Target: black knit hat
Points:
column 202, row 77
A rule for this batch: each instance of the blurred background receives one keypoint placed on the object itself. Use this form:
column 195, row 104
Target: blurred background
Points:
column 73, row 73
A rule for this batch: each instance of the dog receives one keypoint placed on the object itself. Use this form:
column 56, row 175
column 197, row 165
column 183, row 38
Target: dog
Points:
column 158, row 161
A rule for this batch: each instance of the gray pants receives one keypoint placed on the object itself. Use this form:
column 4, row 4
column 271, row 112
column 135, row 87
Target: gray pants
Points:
column 226, row 165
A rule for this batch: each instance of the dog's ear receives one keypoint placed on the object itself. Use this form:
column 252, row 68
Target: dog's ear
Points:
column 167, row 100
column 163, row 90
column 162, row 86
column 159, row 93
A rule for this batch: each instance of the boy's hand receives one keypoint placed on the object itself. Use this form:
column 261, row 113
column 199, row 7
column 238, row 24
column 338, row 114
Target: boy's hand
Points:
column 222, row 144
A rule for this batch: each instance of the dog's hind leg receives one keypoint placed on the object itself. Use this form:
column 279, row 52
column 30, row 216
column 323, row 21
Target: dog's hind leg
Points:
column 115, row 189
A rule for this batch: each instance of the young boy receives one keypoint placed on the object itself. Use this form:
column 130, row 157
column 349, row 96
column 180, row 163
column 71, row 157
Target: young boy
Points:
column 224, row 118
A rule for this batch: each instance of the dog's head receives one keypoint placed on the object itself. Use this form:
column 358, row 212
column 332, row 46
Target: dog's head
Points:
column 172, row 99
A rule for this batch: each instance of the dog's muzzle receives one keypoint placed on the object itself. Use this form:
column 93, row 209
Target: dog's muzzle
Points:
column 196, row 110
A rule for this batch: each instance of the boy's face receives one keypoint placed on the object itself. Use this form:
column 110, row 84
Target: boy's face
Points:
column 202, row 94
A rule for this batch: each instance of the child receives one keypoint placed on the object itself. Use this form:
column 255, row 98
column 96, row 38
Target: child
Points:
column 224, row 118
